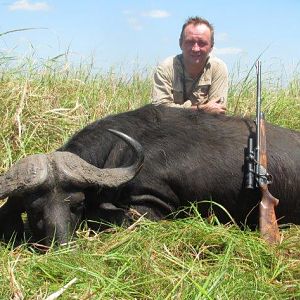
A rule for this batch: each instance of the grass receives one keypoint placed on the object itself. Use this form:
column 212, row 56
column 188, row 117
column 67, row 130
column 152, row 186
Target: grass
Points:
column 41, row 106
column 184, row 259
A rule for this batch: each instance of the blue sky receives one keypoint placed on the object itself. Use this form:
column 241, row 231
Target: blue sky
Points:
column 136, row 34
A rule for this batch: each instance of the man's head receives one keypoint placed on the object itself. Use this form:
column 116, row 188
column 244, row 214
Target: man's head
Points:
column 196, row 40
column 197, row 21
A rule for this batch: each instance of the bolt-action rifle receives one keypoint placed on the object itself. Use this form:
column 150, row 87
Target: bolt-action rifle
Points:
column 257, row 175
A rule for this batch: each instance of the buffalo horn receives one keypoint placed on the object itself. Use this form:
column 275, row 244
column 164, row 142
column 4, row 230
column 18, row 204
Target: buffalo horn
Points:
column 72, row 169
column 25, row 175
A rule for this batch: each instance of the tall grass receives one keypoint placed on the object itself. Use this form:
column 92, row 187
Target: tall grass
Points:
column 280, row 101
column 42, row 104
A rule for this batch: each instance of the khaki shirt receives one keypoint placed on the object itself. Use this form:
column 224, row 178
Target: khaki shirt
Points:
column 168, row 83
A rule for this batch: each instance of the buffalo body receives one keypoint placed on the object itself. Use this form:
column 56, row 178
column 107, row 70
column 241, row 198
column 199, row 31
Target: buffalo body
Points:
column 189, row 157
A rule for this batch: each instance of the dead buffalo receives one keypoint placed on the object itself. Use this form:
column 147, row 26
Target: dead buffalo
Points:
column 189, row 156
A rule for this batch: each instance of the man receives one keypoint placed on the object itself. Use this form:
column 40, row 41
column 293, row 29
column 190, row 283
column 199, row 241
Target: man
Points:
column 194, row 79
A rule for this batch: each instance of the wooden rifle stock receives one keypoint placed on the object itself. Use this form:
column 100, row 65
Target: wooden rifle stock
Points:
column 256, row 173
column 267, row 218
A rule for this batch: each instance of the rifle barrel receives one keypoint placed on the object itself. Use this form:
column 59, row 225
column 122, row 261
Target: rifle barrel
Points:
column 258, row 115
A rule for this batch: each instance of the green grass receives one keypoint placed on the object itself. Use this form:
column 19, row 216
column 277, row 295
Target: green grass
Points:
column 41, row 106
column 183, row 259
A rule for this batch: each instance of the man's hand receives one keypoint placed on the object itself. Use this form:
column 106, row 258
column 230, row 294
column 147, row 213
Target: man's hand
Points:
column 213, row 106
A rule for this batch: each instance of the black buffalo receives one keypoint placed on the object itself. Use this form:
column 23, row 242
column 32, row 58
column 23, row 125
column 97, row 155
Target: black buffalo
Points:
column 189, row 156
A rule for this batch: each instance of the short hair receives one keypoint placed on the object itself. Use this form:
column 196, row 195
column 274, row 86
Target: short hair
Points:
column 196, row 21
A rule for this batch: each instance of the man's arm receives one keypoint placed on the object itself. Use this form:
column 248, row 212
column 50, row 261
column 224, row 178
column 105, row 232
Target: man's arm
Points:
column 217, row 95
column 162, row 88
column 216, row 106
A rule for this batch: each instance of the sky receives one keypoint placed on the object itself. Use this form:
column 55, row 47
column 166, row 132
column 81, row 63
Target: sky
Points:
column 133, row 35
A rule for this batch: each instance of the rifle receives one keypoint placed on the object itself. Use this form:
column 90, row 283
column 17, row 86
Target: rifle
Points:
column 257, row 175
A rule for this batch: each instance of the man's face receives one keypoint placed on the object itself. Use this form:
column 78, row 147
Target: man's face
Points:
column 196, row 44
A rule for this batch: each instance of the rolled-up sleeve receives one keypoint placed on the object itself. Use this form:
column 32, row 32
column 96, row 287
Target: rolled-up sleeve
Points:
column 162, row 87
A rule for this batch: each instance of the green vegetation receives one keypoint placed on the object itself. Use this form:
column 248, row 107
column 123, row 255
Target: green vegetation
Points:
column 41, row 106
column 185, row 259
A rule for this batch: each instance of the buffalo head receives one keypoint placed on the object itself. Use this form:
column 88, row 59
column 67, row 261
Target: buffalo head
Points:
column 50, row 189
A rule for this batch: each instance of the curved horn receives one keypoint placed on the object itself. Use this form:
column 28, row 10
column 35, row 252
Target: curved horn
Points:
column 25, row 175
column 72, row 168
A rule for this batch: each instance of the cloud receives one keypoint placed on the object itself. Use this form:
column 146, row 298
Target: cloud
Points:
column 221, row 36
column 127, row 12
column 26, row 5
column 135, row 19
column 135, row 23
column 132, row 20
column 157, row 13
column 228, row 51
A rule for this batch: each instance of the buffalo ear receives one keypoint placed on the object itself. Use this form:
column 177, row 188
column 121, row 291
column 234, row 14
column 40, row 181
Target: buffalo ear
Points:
column 112, row 214
column 105, row 216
